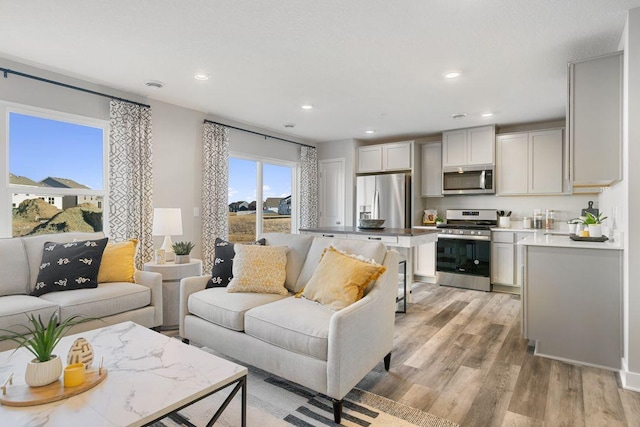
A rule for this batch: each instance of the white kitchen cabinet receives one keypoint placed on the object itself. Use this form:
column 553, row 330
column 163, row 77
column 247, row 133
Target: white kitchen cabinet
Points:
column 530, row 162
column 385, row 157
column 594, row 121
column 503, row 258
column 431, row 170
column 466, row 147
column 424, row 260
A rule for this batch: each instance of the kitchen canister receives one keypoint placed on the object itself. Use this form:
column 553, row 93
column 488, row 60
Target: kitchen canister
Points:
column 526, row 222
column 504, row 222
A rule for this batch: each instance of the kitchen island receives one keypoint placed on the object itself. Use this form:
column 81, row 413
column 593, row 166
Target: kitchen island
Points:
column 572, row 299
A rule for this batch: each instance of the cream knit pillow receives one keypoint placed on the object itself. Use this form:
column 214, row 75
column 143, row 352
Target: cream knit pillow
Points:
column 259, row 269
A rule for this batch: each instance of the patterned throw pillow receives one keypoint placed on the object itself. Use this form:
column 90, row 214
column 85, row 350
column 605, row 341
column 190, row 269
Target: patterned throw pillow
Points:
column 68, row 266
column 340, row 279
column 222, row 271
column 259, row 269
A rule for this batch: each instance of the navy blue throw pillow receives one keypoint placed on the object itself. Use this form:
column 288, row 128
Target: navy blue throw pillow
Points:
column 222, row 271
column 68, row 266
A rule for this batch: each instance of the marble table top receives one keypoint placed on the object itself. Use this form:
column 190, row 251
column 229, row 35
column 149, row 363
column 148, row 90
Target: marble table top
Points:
column 149, row 376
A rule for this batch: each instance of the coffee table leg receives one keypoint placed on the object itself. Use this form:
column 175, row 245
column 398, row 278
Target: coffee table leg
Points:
column 241, row 383
column 244, row 402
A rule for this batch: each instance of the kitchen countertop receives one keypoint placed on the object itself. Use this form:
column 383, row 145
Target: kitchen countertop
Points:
column 410, row 232
column 540, row 238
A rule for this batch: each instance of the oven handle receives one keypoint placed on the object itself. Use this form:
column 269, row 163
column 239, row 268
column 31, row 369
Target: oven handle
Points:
column 464, row 237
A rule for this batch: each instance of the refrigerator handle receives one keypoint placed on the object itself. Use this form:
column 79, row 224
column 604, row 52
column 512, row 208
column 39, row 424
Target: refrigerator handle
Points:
column 375, row 207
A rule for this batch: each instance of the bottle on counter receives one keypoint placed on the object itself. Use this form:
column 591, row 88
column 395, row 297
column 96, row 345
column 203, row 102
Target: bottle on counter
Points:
column 537, row 219
column 549, row 219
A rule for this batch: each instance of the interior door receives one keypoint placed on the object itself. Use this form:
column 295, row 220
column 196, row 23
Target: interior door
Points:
column 331, row 192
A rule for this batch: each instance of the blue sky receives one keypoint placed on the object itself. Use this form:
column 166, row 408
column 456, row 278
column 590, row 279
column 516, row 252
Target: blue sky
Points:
column 242, row 180
column 40, row 148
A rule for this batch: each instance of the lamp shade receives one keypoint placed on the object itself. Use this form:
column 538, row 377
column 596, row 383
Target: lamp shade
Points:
column 167, row 222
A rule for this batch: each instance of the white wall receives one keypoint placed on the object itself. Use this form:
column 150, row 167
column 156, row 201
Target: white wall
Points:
column 343, row 149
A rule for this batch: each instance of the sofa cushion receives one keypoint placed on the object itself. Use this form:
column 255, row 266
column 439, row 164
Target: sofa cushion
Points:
column 340, row 279
column 34, row 246
column 298, row 245
column 14, row 310
column 105, row 300
column 218, row 306
column 370, row 250
column 118, row 262
column 68, row 266
column 14, row 270
column 222, row 270
column 294, row 324
column 259, row 269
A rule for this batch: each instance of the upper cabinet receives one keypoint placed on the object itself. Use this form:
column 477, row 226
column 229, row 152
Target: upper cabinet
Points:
column 431, row 170
column 594, row 121
column 472, row 146
column 530, row 162
column 385, row 157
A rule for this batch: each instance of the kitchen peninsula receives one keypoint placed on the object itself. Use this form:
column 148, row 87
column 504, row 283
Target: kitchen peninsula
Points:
column 572, row 299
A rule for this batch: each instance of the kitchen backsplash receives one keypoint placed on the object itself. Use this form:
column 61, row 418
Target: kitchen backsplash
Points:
column 565, row 207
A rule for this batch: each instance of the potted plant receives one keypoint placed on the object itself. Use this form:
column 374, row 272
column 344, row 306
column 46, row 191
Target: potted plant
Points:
column 594, row 223
column 40, row 340
column 182, row 251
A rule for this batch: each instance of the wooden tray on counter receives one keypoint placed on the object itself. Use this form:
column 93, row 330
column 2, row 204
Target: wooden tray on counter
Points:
column 23, row 395
column 588, row 239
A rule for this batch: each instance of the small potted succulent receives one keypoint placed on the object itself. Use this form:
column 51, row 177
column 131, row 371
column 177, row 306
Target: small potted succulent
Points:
column 40, row 339
column 182, row 251
column 594, row 222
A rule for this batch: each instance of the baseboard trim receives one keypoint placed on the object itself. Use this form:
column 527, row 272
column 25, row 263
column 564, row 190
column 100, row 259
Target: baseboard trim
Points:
column 573, row 362
column 629, row 380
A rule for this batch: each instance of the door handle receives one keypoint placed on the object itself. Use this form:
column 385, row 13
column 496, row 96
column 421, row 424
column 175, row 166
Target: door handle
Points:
column 374, row 238
column 328, row 235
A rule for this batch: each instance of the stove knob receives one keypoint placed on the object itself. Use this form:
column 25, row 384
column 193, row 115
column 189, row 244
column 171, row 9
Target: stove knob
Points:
column 460, row 231
column 473, row 232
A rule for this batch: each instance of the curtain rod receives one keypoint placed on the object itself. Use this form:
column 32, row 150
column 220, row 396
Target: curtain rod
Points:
column 68, row 86
column 258, row 133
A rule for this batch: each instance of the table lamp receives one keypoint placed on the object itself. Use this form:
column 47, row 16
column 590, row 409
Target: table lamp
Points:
column 167, row 222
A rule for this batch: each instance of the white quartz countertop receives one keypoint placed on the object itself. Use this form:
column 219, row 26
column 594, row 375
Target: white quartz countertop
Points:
column 540, row 238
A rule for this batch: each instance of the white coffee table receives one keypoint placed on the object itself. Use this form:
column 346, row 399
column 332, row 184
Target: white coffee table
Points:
column 150, row 376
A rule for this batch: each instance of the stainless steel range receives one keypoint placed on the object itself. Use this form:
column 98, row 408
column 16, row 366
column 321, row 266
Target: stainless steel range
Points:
column 463, row 257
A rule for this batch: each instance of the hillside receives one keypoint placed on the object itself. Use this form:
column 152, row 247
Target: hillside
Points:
column 85, row 217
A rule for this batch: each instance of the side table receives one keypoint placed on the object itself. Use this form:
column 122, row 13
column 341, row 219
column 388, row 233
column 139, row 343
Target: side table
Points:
column 171, row 275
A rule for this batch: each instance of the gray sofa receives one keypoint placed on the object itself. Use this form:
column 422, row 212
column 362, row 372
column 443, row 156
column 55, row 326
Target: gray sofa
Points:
column 140, row 302
column 295, row 338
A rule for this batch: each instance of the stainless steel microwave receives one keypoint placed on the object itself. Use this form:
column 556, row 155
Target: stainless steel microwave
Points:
column 468, row 180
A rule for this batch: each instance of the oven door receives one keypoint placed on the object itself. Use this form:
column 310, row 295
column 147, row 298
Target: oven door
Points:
column 468, row 255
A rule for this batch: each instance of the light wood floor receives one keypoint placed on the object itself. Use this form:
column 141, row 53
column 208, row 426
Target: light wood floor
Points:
column 460, row 355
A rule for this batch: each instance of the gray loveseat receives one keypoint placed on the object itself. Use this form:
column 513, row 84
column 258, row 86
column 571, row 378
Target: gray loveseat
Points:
column 294, row 338
column 140, row 302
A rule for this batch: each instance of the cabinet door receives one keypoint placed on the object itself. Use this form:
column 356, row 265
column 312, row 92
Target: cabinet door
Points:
column 396, row 156
column 503, row 264
column 370, row 158
column 545, row 162
column 432, row 170
column 454, row 148
column 512, row 165
column 481, row 145
column 425, row 260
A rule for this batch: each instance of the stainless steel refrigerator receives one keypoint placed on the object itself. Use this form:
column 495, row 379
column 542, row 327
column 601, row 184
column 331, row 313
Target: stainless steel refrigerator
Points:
column 385, row 196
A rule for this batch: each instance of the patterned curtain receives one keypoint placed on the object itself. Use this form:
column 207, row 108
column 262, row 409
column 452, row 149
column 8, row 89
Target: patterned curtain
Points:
column 215, row 189
column 309, row 188
column 131, row 177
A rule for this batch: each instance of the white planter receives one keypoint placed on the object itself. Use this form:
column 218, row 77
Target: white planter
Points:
column 42, row 373
column 183, row 259
column 595, row 230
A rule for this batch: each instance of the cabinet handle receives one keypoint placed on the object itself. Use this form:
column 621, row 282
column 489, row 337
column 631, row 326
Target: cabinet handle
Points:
column 328, row 235
column 374, row 238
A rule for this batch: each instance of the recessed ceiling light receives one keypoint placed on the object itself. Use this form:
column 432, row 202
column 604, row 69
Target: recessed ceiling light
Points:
column 370, row 132
column 487, row 114
column 201, row 76
column 154, row 84
column 458, row 116
column 307, row 107
column 452, row 74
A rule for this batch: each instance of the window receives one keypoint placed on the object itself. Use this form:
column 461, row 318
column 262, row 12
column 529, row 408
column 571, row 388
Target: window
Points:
column 260, row 195
column 56, row 172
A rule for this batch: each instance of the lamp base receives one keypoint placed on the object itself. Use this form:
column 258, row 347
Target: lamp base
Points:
column 167, row 245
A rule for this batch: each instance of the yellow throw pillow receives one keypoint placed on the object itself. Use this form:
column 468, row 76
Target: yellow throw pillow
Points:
column 340, row 279
column 259, row 269
column 117, row 263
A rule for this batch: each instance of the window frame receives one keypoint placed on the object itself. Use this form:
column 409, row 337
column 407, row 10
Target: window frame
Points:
column 295, row 166
column 8, row 189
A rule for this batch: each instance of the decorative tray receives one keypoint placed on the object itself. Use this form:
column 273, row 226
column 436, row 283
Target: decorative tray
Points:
column 23, row 395
column 370, row 228
column 588, row 239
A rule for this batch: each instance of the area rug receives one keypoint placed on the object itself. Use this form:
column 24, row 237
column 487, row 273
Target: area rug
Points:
column 273, row 401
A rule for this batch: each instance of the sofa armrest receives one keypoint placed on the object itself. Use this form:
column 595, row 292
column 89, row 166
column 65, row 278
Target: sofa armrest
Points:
column 154, row 282
column 188, row 286
column 361, row 334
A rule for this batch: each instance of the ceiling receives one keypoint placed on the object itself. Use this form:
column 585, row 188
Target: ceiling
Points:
column 363, row 64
